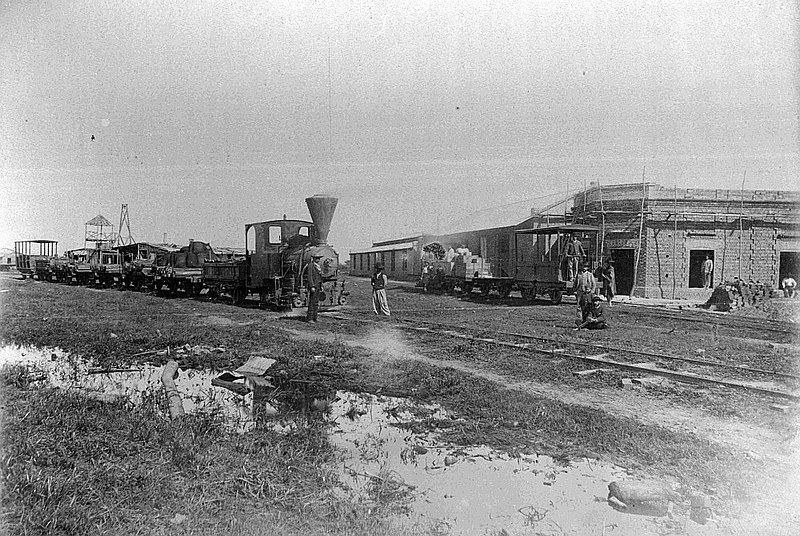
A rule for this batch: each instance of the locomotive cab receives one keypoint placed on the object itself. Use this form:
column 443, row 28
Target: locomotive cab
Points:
column 266, row 243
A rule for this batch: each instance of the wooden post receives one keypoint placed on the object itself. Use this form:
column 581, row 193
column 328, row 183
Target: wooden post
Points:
column 641, row 227
column 173, row 397
column 674, row 240
column 741, row 226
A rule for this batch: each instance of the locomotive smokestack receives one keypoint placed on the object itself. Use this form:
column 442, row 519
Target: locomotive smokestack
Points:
column 321, row 208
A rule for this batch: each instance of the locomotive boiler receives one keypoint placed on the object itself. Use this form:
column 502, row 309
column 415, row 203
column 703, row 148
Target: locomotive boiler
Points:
column 276, row 257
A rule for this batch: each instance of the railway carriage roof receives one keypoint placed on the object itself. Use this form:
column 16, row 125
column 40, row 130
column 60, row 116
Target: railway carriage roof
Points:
column 278, row 222
column 568, row 228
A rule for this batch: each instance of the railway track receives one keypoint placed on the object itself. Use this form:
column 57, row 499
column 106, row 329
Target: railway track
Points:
column 737, row 377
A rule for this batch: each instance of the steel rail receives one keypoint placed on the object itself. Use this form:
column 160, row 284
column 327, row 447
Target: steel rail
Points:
column 597, row 360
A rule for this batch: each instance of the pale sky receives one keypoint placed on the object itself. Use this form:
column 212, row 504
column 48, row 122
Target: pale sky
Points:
column 204, row 116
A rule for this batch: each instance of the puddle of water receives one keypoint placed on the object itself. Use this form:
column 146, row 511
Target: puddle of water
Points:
column 194, row 386
column 477, row 490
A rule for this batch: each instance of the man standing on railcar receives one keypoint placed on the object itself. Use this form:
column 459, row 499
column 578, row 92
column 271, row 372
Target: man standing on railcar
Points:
column 314, row 285
column 379, row 303
column 575, row 254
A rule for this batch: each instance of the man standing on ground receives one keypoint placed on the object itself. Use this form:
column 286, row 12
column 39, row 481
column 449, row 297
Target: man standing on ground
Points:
column 314, row 286
column 379, row 280
column 609, row 280
column 584, row 286
column 598, row 316
column 708, row 270
column 789, row 285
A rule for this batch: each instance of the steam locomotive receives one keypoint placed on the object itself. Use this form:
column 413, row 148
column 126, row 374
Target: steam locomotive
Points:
column 276, row 257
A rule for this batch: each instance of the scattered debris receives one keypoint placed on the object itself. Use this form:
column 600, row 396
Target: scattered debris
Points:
column 173, row 397
column 649, row 382
column 780, row 407
column 590, row 372
column 248, row 377
column 626, row 383
column 177, row 519
column 738, row 294
column 108, row 398
column 701, row 509
column 646, row 497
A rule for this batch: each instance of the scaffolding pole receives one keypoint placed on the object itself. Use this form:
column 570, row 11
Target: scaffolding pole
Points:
column 641, row 227
column 741, row 226
column 603, row 214
column 674, row 240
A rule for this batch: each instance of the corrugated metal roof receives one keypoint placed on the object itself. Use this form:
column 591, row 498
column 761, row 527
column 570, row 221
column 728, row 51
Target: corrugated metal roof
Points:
column 388, row 247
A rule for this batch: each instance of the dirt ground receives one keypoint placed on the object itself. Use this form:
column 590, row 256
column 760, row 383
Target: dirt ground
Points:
column 759, row 432
column 745, row 423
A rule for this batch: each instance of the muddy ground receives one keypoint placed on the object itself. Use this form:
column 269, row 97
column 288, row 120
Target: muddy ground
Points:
column 737, row 449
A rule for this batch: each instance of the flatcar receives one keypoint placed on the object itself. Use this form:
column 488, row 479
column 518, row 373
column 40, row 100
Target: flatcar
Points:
column 277, row 254
column 182, row 270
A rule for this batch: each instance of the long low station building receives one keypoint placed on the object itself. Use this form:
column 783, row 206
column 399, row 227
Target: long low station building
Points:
column 659, row 238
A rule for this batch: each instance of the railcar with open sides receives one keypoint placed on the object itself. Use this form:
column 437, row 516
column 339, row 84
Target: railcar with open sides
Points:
column 542, row 262
column 34, row 256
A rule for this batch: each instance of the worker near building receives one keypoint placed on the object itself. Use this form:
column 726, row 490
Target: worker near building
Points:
column 379, row 280
column 708, row 272
column 314, row 285
column 575, row 254
column 584, row 286
column 598, row 315
column 789, row 285
column 609, row 278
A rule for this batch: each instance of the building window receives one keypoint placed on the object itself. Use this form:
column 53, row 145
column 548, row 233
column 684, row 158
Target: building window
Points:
column 405, row 261
column 393, row 257
column 701, row 272
column 368, row 260
column 383, row 258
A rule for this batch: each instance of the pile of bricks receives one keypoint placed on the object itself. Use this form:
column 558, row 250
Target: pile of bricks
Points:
column 737, row 294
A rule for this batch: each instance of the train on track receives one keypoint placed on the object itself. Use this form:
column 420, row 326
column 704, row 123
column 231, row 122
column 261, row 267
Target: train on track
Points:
column 272, row 265
column 541, row 266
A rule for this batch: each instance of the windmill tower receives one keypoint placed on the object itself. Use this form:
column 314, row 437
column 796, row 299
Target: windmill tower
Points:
column 124, row 224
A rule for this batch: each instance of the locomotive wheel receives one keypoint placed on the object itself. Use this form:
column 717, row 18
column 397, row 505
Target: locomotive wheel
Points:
column 297, row 301
column 342, row 300
column 239, row 296
column 529, row 293
column 555, row 296
column 485, row 290
column 505, row 290
column 467, row 288
column 322, row 296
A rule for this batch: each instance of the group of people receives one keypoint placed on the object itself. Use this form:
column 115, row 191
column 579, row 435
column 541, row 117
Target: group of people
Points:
column 314, row 282
column 592, row 312
column 592, row 307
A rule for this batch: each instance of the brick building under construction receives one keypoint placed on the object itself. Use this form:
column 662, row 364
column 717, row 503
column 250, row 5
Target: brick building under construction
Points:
column 659, row 237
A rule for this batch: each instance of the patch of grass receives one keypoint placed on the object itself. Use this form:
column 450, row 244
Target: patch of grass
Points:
column 72, row 465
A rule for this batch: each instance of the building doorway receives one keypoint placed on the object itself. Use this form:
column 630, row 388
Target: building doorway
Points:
column 696, row 259
column 789, row 266
column 623, row 269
